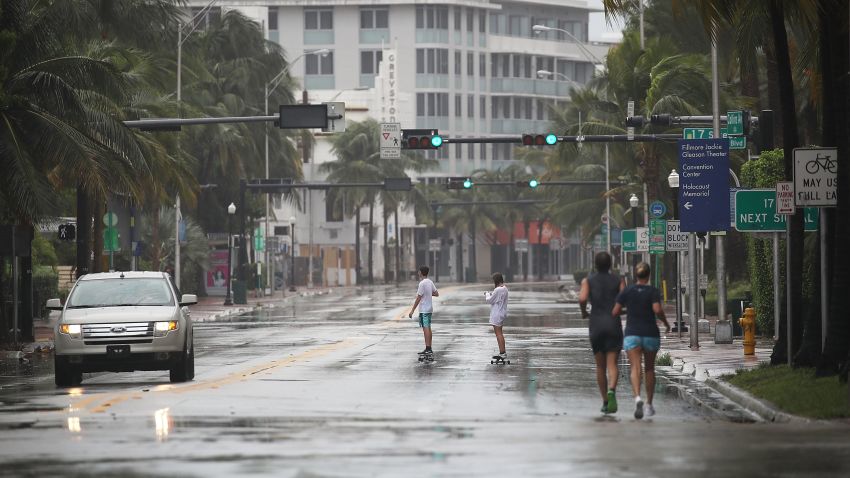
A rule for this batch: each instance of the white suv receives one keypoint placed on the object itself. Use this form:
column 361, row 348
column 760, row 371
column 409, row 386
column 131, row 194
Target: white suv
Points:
column 121, row 322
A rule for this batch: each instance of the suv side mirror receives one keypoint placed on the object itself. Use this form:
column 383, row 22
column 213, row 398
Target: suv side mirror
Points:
column 54, row 304
column 189, row 299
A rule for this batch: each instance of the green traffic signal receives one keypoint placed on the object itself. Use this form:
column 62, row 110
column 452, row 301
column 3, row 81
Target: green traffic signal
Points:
column 550, row 140
column 533, row 183
column 467, row 183
column 436, row 141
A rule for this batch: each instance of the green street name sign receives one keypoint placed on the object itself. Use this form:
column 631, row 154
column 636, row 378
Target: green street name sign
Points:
column 735, row 123
column 735, row 142
column 755, row 211
column 657, row 236
column 629, row 240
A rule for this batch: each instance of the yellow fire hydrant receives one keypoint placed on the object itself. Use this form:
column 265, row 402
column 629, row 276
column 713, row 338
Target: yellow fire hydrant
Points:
column 748, row 324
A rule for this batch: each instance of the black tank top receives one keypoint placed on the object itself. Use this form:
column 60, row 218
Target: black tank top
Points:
column 604, row 288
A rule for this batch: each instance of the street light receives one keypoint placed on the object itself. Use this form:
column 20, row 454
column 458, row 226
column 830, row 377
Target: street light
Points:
column 292, row 254
column 231, row 210
column 543, row 28
column 634, row 202
column 269, row 89
column 673, row 182
column 547, row 73
column 180, row 40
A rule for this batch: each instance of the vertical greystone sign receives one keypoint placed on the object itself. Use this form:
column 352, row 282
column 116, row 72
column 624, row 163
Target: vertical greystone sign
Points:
column 389, row 86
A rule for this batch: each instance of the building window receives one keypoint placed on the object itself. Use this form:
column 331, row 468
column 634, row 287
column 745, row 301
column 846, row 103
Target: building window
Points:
column 315, row 19
column 470, row 106
column 369, row 61
column 458, row 152
column 482, row 107
column 482, row 22
column 483, row 151
column 432, row 104
column 332, row 212
column 457, row 63
column 432, row 17
column 470, row 64
column 470, row 20
column 458, row 112
column 432, row 60
column 272, row 18
column 541, row 107
column 482, row 65
column 319, row 64
column 470, row 150
column 457, row 18
column 372, row 18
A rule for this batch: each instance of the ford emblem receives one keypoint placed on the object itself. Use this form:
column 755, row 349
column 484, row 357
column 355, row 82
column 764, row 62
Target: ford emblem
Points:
column 119, row 330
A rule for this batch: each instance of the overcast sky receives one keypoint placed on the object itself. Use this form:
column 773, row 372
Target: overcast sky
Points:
column 598, row 30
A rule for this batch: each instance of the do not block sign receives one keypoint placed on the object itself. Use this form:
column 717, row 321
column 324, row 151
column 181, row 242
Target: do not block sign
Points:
column 676, row 239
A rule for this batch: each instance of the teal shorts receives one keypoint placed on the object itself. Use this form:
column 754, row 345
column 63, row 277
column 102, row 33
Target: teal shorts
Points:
column 648, row 344
column 425, row 320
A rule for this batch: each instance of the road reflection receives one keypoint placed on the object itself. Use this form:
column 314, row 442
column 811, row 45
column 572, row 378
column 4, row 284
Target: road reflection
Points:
column 163, row 423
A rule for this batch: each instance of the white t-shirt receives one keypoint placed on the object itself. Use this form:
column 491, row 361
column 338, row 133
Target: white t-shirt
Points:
column 426, row 288
column 498, row 300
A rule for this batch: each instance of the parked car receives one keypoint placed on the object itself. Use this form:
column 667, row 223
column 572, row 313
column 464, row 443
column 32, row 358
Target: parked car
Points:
column 121, row 322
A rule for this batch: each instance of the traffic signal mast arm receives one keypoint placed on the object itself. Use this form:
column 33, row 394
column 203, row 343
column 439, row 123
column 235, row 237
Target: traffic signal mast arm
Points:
column 594, row 138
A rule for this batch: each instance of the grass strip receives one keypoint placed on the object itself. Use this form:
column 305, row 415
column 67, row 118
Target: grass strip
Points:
column 796, row 390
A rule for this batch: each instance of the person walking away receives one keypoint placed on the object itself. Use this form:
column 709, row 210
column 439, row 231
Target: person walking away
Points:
column 424, row 293
column 642, row 338
column 498, row 300
column 606, row 331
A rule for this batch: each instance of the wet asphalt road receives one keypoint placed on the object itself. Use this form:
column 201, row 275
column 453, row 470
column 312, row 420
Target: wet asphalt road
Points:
column 331, row 386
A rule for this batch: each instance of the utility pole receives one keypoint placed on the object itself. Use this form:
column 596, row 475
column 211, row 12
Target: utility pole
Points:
column 720, row 249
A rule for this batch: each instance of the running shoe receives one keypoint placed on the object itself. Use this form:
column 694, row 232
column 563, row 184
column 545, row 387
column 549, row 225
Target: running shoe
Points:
column 650, row 410
column 425, row 352
column 639, row 409
column 604, row 407
column 612, row 402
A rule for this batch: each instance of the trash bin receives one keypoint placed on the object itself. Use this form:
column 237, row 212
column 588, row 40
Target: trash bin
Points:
column 240, row 292
column 735, row 307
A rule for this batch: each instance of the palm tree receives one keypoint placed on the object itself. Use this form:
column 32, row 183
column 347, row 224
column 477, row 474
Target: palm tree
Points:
column 358, row 160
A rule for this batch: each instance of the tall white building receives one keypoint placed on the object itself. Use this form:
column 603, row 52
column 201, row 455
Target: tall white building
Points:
column 465, row 67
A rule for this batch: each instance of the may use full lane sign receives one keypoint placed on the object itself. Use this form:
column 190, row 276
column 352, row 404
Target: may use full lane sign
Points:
column 704, row 185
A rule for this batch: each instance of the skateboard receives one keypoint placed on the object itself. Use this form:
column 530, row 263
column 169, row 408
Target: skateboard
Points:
column 497, row 359
column 426, row 358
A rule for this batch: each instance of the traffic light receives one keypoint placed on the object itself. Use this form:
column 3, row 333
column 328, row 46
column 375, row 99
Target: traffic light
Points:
column 635, row 121
column 529, row 183
column 459, row 183
column 539, row 139
column 421, row 139
column 67, row 232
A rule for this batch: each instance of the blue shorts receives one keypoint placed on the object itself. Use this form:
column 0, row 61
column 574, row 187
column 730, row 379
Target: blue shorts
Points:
column 648, row 344
column 425, row 320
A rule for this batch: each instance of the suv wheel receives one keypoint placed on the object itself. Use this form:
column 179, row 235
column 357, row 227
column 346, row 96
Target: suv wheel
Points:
column 65, row 374
column 184, row 370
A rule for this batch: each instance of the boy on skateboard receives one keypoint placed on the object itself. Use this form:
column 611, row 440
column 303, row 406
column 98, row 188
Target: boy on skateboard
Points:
column 426, row 290
column 498, row 300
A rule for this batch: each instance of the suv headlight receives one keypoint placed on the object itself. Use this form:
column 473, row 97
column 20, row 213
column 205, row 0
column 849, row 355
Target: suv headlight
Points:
column 73, row 330
column 161, row 329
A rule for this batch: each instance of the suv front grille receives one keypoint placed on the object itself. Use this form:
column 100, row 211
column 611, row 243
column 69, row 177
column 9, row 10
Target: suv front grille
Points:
column 121, row 333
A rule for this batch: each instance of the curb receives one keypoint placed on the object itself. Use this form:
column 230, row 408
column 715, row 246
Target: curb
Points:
column 763, row 408
column 705, row 398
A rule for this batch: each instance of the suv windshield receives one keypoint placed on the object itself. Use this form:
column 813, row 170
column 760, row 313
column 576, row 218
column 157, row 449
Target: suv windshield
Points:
column 121, row 292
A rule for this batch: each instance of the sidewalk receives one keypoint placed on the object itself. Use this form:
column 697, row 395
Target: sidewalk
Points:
column 711, row 360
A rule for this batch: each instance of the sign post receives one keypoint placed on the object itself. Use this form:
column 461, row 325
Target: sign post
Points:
column 816, row 184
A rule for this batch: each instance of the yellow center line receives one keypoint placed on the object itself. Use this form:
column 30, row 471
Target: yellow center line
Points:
column 100, row 402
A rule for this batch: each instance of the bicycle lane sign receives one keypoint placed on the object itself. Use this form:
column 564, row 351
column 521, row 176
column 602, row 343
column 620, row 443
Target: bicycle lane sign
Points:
column 815, row 177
